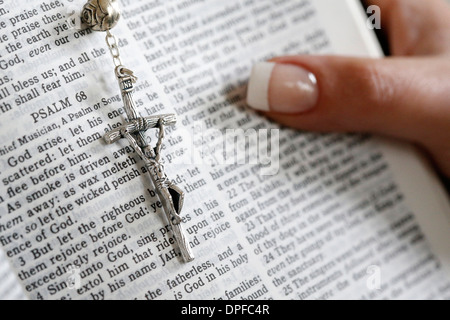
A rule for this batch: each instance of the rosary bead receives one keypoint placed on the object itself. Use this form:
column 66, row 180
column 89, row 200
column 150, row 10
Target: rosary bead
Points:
column 101, row 15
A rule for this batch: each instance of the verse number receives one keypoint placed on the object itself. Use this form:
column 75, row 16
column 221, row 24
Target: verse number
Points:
column 250, row 226
column 288, row 290
column 22, row 261
column 268, row 258
column 81, row 96
column 232, row 193
column 178, row 97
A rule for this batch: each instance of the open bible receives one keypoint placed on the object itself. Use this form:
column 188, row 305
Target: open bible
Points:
column 340, row 216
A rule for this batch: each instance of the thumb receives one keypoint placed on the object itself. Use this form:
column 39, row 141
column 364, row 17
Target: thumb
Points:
column 402, row 97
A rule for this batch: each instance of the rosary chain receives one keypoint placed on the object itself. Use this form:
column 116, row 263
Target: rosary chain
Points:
column 111, row 41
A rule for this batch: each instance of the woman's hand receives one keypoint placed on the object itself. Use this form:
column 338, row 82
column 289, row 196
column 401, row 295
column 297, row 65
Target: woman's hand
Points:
column 406, row 96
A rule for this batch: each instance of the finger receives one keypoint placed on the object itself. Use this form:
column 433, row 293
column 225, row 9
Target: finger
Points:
column 416, row 27
column 402, row 97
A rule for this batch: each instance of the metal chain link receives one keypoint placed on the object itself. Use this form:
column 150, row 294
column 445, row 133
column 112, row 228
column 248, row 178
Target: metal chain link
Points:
column 111, row 41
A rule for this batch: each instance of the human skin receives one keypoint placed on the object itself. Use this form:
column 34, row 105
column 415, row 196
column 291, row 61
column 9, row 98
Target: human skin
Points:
column 406, row 95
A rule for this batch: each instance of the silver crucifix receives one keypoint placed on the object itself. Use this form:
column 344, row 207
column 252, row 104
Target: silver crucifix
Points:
column 172, row 196
column 103, row 15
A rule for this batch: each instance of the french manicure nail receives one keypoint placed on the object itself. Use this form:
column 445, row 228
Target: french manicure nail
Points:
column 284, row 88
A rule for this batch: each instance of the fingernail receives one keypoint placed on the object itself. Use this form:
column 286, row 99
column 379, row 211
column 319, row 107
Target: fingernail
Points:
column 284, row 88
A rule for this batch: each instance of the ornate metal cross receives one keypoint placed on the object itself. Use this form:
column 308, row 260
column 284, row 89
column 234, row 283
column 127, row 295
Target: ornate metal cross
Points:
column 171, row 196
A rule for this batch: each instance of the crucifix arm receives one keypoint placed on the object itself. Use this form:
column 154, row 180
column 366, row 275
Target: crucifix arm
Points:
column 137, row 125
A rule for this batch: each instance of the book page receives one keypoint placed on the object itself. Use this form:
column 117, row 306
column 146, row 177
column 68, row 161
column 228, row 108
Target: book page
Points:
column 10, row 288
column 80, row 219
